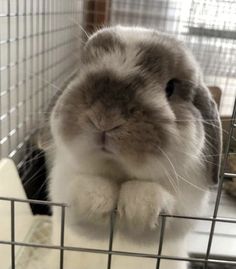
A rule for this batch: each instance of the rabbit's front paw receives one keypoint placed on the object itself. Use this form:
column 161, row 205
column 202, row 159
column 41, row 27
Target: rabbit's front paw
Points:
column 93, row 200
column 140, row 204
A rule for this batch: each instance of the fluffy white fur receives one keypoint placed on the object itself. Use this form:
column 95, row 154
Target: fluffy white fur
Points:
column 93, row 195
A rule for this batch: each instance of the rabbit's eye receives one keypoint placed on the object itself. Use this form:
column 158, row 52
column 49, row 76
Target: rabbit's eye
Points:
column 170, row 87
column 132, row 110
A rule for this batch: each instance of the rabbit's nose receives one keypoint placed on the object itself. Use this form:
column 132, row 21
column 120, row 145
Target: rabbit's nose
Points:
column 104, row 125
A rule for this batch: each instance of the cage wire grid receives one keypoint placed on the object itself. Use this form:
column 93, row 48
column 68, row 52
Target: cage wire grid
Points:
column 37, row 53
column 39, row 45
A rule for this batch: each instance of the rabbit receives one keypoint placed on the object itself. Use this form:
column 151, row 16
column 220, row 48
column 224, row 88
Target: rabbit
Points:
column 135, row 132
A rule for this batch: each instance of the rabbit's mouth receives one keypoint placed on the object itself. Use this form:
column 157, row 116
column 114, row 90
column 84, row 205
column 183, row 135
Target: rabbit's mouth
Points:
column 103, row 142
column 105, row 150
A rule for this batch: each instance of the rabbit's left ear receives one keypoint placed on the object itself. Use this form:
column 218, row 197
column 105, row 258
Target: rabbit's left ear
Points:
column 205, row 103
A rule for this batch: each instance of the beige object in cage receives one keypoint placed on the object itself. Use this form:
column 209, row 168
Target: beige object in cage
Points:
column 28, row 228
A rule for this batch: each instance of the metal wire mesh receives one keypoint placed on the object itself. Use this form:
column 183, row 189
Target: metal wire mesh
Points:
column 109, row 251
column 39, row 41
column 37, row 53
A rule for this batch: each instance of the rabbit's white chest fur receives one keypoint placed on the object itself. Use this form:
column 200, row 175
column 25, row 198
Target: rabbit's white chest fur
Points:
column 138, row 201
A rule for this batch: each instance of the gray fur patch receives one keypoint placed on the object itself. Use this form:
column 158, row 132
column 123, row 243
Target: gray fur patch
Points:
column 157, row 61
column 112, row 91
column 184, row 90
column 212, row 126
column 152, row 58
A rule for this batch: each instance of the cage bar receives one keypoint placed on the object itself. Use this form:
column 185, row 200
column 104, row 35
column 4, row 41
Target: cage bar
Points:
column 161, row 240
column 12, row 234
column 62, row 237
column 220, row 187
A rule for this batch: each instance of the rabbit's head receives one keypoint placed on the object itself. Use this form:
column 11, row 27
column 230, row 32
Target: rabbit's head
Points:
column 138, row 99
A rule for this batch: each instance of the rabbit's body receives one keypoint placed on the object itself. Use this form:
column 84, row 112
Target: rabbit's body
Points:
column 189, row 203
column 132, row 131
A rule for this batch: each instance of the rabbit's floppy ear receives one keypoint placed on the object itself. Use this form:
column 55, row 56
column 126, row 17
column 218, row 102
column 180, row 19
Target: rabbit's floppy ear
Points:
column 204, row 102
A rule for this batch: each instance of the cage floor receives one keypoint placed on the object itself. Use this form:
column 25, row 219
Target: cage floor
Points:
column 40, row 233
column 224, row 240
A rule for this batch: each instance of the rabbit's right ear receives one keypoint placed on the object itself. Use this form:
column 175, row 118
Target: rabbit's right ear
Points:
column 204, row 102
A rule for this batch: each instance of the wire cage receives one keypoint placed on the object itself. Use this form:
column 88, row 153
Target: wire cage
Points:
column 39, row 46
